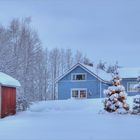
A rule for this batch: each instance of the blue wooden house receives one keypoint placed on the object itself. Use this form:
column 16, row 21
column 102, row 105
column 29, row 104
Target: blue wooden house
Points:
column 82, row 81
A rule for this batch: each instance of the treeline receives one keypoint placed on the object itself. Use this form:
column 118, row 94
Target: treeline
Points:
column 23, row 57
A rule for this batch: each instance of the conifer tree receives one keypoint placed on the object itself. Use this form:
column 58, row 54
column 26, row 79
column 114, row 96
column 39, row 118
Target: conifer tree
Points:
column 115, row 100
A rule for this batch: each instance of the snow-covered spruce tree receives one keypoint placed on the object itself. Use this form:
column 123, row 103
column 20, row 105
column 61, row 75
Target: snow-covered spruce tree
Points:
column 136, row 100
column 115, row 100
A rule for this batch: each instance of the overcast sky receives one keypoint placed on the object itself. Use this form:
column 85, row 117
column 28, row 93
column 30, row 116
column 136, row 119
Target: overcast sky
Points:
column 102, row 29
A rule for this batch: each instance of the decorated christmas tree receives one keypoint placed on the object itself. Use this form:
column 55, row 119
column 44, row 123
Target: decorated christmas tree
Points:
column 115, row 100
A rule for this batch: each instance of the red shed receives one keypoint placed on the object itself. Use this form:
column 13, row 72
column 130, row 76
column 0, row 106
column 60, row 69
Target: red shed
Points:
column 7, row 95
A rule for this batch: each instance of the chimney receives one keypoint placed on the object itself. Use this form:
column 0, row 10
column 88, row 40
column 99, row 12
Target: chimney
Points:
column 89, row 64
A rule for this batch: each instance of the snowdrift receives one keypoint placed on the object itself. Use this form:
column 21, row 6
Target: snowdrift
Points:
column 71, row 104
column 70, row 120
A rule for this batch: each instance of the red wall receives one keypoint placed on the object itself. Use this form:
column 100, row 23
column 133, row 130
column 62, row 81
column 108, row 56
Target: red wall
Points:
column 8, row 101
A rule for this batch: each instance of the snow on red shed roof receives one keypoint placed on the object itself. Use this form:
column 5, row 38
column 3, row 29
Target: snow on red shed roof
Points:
column 7, row 80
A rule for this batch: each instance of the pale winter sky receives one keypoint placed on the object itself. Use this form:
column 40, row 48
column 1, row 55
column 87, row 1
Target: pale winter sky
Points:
column 102, row 29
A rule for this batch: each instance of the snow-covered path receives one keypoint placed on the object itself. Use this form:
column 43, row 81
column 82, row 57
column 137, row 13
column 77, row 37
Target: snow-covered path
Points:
column 69, row 120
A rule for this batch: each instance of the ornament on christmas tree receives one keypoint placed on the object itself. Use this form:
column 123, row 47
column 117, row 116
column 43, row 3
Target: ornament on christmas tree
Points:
column 115, row 100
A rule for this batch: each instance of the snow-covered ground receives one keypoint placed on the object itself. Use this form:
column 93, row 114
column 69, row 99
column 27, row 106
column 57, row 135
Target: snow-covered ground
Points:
column 70, row 120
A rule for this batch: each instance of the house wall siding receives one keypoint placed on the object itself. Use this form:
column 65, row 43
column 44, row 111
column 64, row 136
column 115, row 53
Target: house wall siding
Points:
column 93, row 85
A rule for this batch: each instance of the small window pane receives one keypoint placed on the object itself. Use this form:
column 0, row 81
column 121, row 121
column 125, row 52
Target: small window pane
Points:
column 73, row 77
column 75, row 93
column 83, row 93
column 83, row 77
column 79, row 77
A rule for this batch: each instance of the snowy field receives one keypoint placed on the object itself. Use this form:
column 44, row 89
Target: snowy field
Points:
column 70, row 120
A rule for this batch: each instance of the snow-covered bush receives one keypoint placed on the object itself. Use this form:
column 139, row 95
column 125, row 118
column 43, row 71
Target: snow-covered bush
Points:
column 21, row 104
column 136, row 105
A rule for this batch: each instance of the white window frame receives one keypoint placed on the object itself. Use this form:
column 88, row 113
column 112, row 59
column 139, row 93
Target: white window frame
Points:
column 128, row 83
column 78, row 74
column 79, row 89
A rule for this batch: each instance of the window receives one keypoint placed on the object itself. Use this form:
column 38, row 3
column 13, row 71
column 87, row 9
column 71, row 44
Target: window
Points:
column 130, row 87
column 79, row 76
column 79, row 93
column 83, row 93
column 75, row 93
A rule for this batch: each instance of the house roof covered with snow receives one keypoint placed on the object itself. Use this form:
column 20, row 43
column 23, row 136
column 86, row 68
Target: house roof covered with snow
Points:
column 129, row 72
column 7, row 80
column 104, row 76
column 99, row 74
